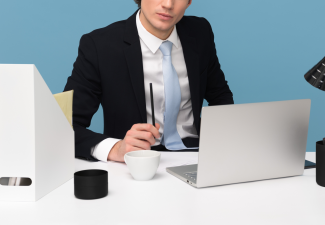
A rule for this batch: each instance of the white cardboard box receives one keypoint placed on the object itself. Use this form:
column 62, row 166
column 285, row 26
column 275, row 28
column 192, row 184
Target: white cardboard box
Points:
column 36, row 139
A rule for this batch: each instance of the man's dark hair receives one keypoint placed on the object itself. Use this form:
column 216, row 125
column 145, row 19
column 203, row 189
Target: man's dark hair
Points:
column 138, row 2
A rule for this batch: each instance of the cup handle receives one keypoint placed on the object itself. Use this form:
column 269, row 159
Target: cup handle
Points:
column 125, row 159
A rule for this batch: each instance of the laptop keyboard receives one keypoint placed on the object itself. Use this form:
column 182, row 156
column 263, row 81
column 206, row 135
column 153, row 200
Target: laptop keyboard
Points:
column 191, row 175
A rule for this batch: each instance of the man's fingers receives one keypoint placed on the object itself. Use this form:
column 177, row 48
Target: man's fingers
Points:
column 133, row 142
column 146, row 127
column 144, row 135
column 133, row 148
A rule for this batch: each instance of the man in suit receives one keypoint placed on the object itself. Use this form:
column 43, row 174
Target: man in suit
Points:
column 114, row 67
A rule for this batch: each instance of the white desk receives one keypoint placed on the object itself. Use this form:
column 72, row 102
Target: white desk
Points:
column 168, row 200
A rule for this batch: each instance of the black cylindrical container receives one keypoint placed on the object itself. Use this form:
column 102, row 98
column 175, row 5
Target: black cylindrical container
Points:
column 320, row 163
column 90, row 184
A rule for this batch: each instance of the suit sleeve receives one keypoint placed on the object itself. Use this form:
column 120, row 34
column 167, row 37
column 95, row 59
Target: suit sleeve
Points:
column 217, row 90
column 86, row 82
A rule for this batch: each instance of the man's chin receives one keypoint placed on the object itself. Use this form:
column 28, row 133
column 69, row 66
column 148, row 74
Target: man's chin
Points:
column 163, row 26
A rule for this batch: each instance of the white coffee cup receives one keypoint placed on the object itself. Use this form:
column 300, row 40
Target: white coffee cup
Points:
column 142, row 164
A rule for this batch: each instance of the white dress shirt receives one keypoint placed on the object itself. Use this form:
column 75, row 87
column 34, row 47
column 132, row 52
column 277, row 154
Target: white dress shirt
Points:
column 153, row 73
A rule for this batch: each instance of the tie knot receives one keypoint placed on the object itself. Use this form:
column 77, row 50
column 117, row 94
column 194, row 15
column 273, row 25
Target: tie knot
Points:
column 166, row 48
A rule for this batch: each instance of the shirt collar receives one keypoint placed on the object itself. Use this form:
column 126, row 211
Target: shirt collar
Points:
column 151, row 41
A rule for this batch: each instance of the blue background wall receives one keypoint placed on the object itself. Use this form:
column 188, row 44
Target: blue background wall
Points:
column 264, row 47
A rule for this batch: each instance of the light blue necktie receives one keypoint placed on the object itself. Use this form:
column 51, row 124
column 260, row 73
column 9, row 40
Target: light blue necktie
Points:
column 170, row 137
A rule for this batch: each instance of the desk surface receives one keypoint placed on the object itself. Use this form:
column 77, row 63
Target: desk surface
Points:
column 167, row 200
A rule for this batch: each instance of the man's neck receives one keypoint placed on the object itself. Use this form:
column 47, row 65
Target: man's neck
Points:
column 161, row 34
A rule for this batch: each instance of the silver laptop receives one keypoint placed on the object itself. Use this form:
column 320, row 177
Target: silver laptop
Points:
column 249, row 142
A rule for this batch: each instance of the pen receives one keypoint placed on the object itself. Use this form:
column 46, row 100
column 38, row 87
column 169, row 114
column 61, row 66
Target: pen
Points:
column 152, row 106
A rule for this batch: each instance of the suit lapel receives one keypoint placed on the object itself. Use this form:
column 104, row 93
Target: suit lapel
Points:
column 133, row 56
column 191, row 57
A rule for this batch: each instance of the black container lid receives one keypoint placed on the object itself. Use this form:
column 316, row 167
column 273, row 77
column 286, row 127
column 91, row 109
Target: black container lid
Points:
column 90, row 184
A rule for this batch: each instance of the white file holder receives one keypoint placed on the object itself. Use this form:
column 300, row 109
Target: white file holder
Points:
column 36, row 139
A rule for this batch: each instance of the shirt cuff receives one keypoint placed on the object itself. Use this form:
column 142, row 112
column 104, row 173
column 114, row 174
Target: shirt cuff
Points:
column 101, row 150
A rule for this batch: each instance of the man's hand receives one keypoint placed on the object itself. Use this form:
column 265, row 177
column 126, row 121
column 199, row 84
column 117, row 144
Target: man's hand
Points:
column 140, row 137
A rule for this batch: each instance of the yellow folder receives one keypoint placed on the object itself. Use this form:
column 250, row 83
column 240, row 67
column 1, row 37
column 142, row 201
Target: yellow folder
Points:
column 65, row 100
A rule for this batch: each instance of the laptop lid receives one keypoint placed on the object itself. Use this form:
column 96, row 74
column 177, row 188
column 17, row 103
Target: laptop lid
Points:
column 248, row 142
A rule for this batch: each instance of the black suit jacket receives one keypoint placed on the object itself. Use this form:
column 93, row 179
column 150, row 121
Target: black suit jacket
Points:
column 109, row 71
